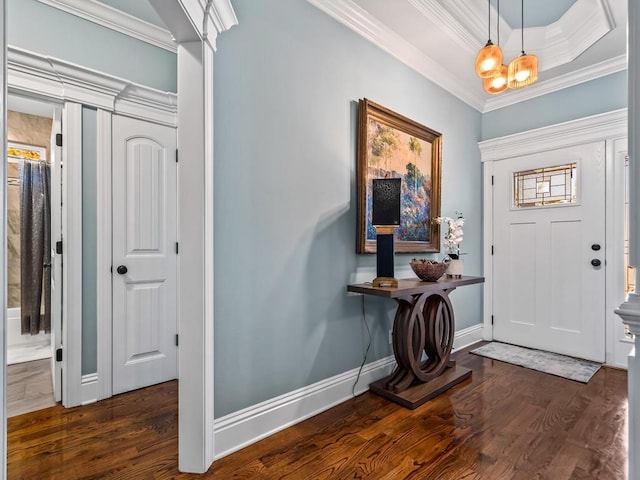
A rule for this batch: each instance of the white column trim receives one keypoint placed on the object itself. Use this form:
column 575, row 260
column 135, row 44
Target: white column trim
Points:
column 487, row 256
column 104, row 248
column 208, row 67
column 72, row 255
column 194, row 451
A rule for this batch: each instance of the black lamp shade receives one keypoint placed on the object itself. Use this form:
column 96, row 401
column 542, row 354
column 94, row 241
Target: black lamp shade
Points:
column 386, row 201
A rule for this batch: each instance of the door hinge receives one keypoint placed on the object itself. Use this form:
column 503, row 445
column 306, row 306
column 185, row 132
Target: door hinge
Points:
column 491, row 319
column 491, row 249
column 59, row 247
column 491, row 179
column 177, row 248
column 58, row 139
column 176, row 155
column 59, row 355
column 177, row 340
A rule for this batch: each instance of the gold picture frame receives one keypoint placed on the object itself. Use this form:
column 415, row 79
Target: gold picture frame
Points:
column 391, row 145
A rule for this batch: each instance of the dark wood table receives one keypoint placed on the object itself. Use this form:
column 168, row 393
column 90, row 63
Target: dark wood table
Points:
column 423, row 332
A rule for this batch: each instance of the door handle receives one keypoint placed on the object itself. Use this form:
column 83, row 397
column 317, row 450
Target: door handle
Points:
column 122, row 269
column 595, row 247
column 595, row 262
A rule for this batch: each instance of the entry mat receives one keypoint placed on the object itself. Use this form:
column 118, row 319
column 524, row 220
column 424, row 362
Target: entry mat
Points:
column 553, row 363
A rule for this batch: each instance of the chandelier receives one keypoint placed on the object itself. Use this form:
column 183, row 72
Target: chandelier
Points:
column 497, row 77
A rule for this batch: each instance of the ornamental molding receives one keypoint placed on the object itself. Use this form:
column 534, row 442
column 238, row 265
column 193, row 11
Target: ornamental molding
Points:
column 117, row 20
column 575, row 132
column 629, row 311
column 193, row 20
column 30, row 73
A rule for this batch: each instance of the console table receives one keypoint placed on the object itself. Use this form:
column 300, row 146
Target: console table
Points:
column 423, row 331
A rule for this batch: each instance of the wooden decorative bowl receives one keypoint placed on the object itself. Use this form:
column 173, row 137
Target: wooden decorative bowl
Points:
column 428, row 270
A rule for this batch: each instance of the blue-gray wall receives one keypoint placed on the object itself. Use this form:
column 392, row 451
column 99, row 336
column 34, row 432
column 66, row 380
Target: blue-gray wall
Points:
column 287, row 82
column 590, row 98
column 49, row 31
column 89, row 241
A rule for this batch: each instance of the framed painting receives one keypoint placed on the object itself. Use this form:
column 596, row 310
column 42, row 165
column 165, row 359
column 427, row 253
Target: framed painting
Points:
column 393, row 146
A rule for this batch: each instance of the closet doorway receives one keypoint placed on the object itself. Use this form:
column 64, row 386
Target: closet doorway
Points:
column 34, row 267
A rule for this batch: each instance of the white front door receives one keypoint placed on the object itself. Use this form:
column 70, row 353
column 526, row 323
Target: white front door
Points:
column 549, row 259
column 144, row 254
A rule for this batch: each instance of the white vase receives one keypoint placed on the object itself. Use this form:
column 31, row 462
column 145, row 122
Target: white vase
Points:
column 455, row 268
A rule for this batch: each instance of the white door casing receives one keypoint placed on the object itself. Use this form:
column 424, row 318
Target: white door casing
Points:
column 546, row 292
column 144, row 242
column 56, row 259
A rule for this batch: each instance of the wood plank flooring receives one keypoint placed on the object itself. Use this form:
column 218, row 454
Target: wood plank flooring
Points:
column 506, row 422
column 29, row 387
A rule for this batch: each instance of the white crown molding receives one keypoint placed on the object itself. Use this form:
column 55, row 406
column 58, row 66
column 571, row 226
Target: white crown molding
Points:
column 117, row 20
column 360, row 21
column 461, row 17
column 435, row 11
column 583, row 24
column 592, row 72
column 563, row 41
column 58, row 80
column 470, row 17
column 575, row 132
column 220, row 17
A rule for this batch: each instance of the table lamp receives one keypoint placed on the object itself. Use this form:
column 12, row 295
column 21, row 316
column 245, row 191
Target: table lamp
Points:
column 385, row 218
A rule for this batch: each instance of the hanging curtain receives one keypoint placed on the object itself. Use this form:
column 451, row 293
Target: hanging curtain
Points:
column 35, row 247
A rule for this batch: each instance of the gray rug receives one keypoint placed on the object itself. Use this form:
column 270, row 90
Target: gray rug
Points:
column 567, row 367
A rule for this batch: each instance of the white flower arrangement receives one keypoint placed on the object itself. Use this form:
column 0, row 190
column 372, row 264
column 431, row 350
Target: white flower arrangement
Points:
column 454, row 235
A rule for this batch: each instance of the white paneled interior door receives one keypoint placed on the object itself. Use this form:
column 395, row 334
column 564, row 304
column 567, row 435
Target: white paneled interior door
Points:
column 144, row 254
column 549, row 259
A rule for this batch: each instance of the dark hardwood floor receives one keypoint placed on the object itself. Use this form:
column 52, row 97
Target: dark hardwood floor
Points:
column 506, row 422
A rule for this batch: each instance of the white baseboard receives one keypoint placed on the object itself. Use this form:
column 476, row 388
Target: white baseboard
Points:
column 468, row 336
column 89, row 388
column 247, row 426
column 242, row 428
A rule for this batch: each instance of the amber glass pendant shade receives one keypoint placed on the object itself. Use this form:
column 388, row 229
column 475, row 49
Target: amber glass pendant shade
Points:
column 489, row 60
column 497, row 83
column 523, row 71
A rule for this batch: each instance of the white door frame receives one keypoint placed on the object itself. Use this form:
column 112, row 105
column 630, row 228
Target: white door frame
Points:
column 3, row 234
column 104, row 248
column 609, row 127
column 72, row 254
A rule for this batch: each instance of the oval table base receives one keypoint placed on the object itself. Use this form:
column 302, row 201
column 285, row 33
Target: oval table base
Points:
column 423, row 332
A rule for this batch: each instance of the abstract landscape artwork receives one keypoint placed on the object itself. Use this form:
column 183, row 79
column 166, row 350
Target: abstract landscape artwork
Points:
column 392, row 146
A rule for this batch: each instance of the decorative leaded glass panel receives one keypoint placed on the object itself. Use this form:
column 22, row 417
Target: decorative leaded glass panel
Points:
column 545, row 186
